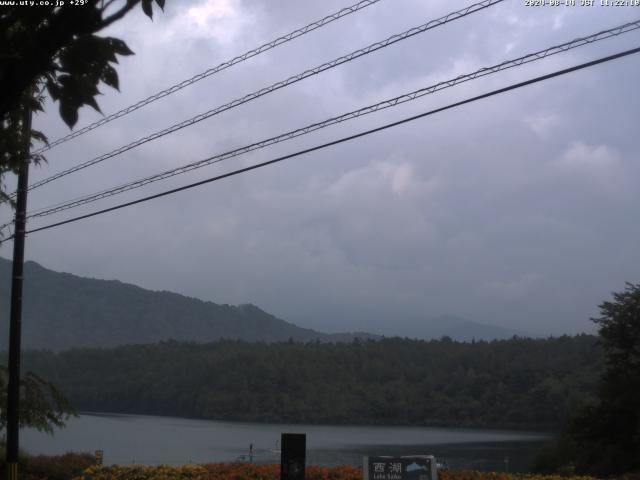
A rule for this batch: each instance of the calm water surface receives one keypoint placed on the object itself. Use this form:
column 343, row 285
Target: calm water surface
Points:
column 153, row 440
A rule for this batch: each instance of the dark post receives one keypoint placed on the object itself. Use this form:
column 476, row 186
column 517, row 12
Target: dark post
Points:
column 292, row 459
column 13, row 388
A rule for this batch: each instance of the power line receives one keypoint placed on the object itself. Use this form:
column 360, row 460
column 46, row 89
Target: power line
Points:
column 207, row 73
column 278, row 85
column 531, row 57
column 342, row 140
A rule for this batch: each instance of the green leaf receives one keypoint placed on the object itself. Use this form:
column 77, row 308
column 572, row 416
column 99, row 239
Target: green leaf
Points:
column 69, row 113
column 39, row 136
column 87, row 54
column 91, row 101
column 38, row 158
column 147, row 8
column 53, row 88
column 119, row 46
column 110, row 77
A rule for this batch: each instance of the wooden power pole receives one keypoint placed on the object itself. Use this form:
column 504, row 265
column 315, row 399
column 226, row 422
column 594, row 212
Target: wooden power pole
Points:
column 15, row 326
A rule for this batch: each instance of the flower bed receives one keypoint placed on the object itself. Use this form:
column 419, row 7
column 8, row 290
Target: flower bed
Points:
column 252, row 471
column 213, row 471
column 145, row 472
column 473, row 475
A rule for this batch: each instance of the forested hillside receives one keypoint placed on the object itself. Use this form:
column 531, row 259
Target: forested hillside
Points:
column 517, row 383
column 63, row 311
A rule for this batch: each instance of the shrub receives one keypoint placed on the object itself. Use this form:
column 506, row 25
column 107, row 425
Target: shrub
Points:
column 58, row 467
column 143, row 472
column 473, row 475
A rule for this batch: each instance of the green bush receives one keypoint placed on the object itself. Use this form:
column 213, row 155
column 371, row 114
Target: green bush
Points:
column 57, row 467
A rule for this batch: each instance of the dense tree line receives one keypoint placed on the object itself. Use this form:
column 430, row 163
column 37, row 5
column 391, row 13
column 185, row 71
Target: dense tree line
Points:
column 517, row 383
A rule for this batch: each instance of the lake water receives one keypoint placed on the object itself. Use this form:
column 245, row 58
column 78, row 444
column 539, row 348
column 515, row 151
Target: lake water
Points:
column 129, row 439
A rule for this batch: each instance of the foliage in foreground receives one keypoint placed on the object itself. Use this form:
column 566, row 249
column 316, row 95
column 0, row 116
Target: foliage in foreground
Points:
column 474, row 475
column 42, row 405
column 214, row 471
column 81, row 466
column 604, row 438
column 57, row 467
column 145, row 472
column 49, row 467
column 252, row 471
column 57, row 49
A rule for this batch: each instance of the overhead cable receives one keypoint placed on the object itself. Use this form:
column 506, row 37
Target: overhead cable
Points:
column 341, row 140
column 276, row 86
column 207, row 73
column 392, row 102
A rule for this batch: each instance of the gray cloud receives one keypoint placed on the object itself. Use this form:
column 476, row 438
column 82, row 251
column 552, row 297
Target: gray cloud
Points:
column 518, row 210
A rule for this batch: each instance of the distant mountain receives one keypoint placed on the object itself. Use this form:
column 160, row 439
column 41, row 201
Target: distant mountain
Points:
column 457, row 328
column 61, row 310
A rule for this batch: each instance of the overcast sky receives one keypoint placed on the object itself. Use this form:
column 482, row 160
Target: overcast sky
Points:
column 520, row 210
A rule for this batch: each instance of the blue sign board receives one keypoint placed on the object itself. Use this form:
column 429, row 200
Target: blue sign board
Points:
column 416, row 467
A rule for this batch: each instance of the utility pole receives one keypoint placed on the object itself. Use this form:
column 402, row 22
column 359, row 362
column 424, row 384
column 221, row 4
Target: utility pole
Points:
column 15, row 326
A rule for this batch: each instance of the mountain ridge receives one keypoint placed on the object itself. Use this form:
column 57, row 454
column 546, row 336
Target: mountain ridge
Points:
column 63, row 310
